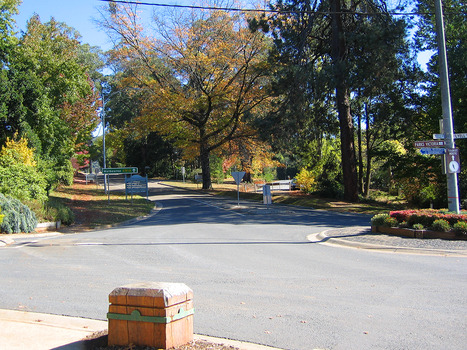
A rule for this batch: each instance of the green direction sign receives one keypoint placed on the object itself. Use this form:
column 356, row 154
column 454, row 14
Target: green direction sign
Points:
column 132, row 170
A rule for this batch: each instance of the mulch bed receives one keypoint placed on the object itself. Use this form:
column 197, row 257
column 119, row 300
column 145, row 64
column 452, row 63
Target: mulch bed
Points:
column 98, row 341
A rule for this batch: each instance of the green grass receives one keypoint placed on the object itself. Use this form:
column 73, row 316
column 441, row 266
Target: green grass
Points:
column 93, row 208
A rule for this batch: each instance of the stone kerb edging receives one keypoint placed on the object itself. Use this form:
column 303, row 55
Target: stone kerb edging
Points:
column 48, row 226
column 406, row 232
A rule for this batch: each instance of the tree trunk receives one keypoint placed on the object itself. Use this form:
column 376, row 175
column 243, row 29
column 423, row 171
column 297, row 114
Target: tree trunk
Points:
column 360, row 153
column 368, row 154
column 368, row 176
column 205, row 166
column 338, row 52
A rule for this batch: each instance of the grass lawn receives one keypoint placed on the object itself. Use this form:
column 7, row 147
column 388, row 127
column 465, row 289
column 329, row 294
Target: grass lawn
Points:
column 92, row 208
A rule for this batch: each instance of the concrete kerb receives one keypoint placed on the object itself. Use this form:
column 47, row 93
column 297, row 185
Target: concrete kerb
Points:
column 322, row 238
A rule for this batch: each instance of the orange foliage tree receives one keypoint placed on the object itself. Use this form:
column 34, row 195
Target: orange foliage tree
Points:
column 203, row 76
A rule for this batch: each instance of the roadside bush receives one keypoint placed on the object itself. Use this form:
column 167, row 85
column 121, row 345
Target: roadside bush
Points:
column 306, row 181
column 390, row 222
column 379, row 219
column 418, row 227
column 18, row 217
column 330, row 188
column 441, row 225
column 19, row 175
column 460, row 227
column 65, row 215
column 52, row 210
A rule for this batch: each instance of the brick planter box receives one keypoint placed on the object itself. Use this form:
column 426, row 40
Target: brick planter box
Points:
column 406, row 232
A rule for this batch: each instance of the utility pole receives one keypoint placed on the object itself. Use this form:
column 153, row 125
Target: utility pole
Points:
column 453, row 191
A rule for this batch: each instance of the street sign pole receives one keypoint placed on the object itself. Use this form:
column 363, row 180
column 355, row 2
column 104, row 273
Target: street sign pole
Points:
column 453, row 192
column 238, row 176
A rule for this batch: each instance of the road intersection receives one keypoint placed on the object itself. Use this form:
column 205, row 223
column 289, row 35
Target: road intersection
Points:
column 255, row 274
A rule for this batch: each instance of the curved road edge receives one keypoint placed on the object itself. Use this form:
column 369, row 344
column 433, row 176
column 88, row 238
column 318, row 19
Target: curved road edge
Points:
column 326, row 238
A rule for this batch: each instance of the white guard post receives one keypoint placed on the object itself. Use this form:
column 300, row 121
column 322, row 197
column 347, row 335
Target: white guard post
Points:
column 267, row 197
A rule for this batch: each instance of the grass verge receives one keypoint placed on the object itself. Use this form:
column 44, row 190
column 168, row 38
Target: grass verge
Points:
column 92, row 207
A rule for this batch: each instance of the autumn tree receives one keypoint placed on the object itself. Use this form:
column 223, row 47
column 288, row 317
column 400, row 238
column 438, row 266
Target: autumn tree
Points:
column 203, row 76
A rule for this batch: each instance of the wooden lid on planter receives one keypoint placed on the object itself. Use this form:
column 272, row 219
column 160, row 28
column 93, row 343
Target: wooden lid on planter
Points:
column 151, row 294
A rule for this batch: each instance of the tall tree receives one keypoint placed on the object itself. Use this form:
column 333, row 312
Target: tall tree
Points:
column 52, row 99
column 203, row 76
column 7, row 41
column 318, row 42
column 455, row 20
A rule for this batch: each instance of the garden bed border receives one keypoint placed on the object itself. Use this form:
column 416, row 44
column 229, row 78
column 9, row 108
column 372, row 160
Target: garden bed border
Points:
column 406, row 232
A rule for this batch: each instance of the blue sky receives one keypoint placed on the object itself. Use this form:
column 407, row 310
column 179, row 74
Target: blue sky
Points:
column 78, row 14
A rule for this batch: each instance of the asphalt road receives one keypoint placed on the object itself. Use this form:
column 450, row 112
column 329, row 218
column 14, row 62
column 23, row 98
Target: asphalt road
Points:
column 254, row 274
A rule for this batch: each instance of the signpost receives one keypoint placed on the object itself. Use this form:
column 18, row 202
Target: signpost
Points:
column 423, row 144
column 456, row 136
column 437, row 151
column 136, row 184
column 107, row 171
column 238, row 176
column 131, row 170
column 452, row 185
column 453, row 161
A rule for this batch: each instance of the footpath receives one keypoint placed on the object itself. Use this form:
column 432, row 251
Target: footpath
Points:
column 27, row 330
column 20, row 330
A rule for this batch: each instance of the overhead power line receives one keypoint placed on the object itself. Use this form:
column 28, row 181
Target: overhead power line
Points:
column 195, row 7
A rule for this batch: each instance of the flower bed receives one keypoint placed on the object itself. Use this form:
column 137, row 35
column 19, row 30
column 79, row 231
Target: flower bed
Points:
column 412, row 233
column 426, row 217
column 424, row 224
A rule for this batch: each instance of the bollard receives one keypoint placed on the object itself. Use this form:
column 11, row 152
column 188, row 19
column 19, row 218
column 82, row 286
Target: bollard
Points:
column 154, row 314
column 267, row 197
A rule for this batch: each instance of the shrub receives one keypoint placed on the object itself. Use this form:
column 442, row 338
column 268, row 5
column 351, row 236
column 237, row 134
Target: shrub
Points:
column 390, row 222
column 19, row 175
column 404, row 224
column 379, row 219
column 306, row 181
column 329, row 188
column 460, row 227
column 418, row 227
column 18, row 217
column 65, row 215
column 441, row 225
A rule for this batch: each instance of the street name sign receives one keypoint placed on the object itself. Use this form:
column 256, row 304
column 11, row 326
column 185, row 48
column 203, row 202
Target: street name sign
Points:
column 131, row 170
column 423, row 144
column 456, row 136
column 432, row 150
